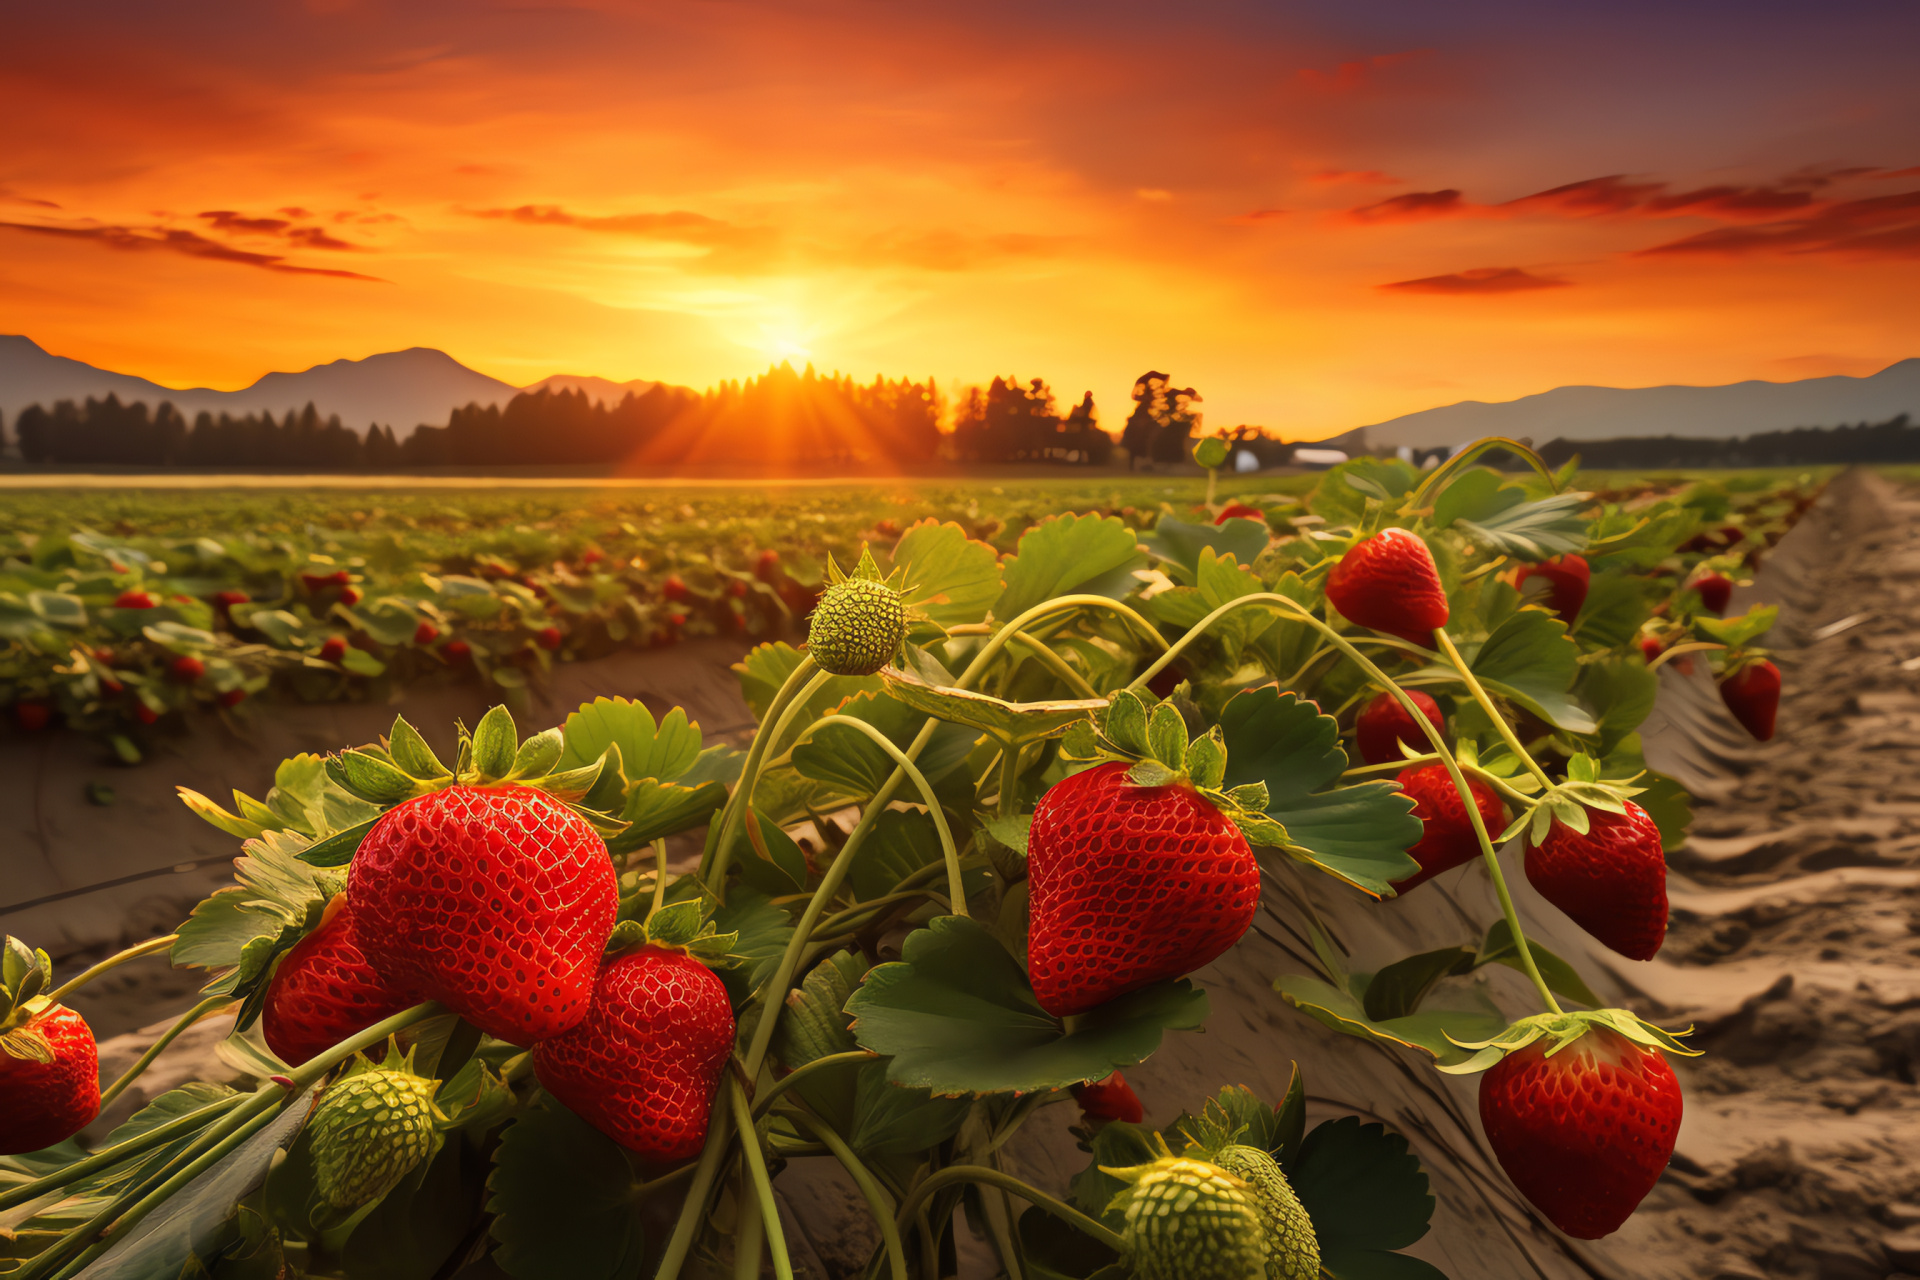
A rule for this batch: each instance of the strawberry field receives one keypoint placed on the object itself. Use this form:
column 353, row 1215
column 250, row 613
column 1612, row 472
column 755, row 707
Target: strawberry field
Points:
column 1018, row 779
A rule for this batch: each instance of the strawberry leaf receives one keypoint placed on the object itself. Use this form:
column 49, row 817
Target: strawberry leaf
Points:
column 1012, row 722
column 662, row 751
column 1433, row 1031
column 562, row 1194
column 494, row 743
column 1562, row 978
column 951, row 579
column 1126, row 723
column 959, row 1018
column 538, row 755
column 1206, row 760
column 855, row 765
column 1167, row 737
column 1737, row 633
column 1178, row 544
column 1367, row 1197
column 1069, row 555
column 370, row 778
column 239, row 930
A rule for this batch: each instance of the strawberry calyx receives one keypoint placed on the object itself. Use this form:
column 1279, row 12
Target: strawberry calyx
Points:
column 685, row 926
column 1738, row 635
column 1564, row 1029
column 1162, row 755
column 1570, row 801
column 402, row 766
column 25, row 972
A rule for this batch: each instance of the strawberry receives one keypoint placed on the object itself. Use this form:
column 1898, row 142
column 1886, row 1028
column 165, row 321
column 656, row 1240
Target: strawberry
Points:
column 1651, row 648
column 321, row 581
column 187, row 669
column 1566, row 578
column 673, row 588
column 1239, row 511
column 1611, row 881
column 857, row 628
column 333, row 649
column 324, row 991
column 425, row 634
column 1715, row 591
column 144, row 713
column 1752, row 693
column 228, row 599
column 1584, row 1133
column 457, row 651
column 1109, row 1099
column 644, row 1064
column 350, row 595
column 1447, row 839
column 1293, row 1250
column 592, row 555
column 496, row 901
column 1190, row 1220
column 373, row 1126
column 1383, row 724
column 547, row 637
column 33, row 715
column 676, row 620
column 1389, row 583
column 233, row 697
column 737, row 589
column 135, row 600
column 766, row 566
column 50, row 1101
column 1131, row 885
column 49, row 1064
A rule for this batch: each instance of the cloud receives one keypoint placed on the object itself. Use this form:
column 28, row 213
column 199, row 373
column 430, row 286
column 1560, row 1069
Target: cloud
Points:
column 1591, row 196
column 189, row 243
column 1885, row 227
column 729, row 245
column 1363, row 177
column 1257, row 217
column 12, row 197
column 1415, row 206
column 1479, row 280
column 228, row 220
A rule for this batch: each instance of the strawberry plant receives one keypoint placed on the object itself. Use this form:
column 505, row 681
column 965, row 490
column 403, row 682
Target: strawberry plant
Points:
column 995, row 818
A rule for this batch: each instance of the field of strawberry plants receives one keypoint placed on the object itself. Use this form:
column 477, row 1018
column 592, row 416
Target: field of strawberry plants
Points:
column 1015, row 789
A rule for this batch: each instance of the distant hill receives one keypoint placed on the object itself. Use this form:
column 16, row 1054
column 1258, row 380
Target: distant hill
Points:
column 1602, row 413
column 401, row 389
column 599, row 390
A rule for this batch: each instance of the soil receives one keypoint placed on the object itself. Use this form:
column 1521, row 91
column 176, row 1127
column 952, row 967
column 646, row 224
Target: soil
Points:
column 1794, row 947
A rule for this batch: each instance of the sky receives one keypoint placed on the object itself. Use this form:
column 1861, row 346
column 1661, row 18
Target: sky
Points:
column 1319, row 215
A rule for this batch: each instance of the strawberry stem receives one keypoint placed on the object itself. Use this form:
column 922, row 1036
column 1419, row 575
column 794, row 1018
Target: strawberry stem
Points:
column 879, row 1203
column 975, row 1173
column 212, row 1004
column 764, row 1102
column 1459, row 461
column 1485, row 700
column 113, row 1155
column 762, row 1187
column 956, row 887
column 713, row 865
column 146, row 948
column 660, row 873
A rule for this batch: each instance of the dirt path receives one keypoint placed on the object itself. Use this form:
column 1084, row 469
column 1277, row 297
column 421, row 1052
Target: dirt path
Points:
column 1796, row 929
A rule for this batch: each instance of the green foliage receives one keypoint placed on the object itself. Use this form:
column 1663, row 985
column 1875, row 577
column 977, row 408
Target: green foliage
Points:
column 562, row 1196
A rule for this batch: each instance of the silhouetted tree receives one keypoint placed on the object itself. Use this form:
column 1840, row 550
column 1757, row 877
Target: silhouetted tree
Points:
column 1162, row 421
column 1008, row 422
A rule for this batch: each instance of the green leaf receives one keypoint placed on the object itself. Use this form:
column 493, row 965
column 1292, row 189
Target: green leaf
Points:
column 656, row 809
column 815, row 1023
column 854, row 764
column 278, row 899
column 1670, row 807
column 207, row 811
column 563, row 1196
column 1397, row 990
column 1069, row 555
column 1562, row 978
column 1126, row 723
column 766, row 668
column 494, row 742
column 361, row 663
column 1363, row 1188
column 1167, row 737
column 1010, row 829
column 1178, row 543
column 1617, row 603
column 1118, row 1145
column 1530, row 659
column 370, row 778
column 1341, row 501
column 1428, row 1031
column 902, row 842
column 891, row 1120
column 412, row 1231
column 411, row 752
column 1206, row 761
column 662, row 751
column 1500, row 517
column 538, row 754
column 1737, row 633
column 786, row 872
column 337, row 850
column 1012, row 722
column 1621, row 692
column 948, row 576
column 762, row 932
column 959, row 1018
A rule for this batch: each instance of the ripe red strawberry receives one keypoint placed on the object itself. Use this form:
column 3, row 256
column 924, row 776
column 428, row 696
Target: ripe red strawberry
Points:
column 425, row 634
column 643, row 1065
column 1447, row 840
column 144, row 713
column 227, row 599
column 495, row 901
column 547, row 637
column 233, row 697
column 324, row 991
column 1389, row 583
column 350, row 595
column 1239, row 510
column 1585, row 1133
column 1651, row 648
column 33, row 716
column 1110, row 1099
column 49, row 1102
column 1753, row 695
column 187, row 669
column 457, row 651
column 766, row 565
column 672, row 588
column 737, row 589
column 333, row 649
column 1130, row 886
column 1566, row 579
column 135, row 600
column 1611, row 881
column 676, row 620
column 321, row 581
column 592, row 555
column 1715, row 591
column 1383, row 724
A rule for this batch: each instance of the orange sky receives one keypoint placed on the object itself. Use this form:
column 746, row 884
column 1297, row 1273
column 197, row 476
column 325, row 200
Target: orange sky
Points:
column 1318, row 219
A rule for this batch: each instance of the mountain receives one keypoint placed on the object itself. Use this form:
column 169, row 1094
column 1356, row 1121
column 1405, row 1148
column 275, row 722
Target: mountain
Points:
column 600, row 390
column 401, row 389
column 1603, row 413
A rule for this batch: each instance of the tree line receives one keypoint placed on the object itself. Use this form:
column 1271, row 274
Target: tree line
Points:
column 1895, row 440
column 781, row 418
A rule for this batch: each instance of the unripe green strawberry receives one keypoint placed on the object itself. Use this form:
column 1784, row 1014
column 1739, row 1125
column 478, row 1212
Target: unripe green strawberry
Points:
column 1190, row 1220
column 372, row 1128
column 1293, row 1251
column 857, row 627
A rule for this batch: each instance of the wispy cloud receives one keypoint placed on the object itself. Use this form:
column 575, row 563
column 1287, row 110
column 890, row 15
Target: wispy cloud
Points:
column 1414, row 206
column 1480, row 281
column 1881, row 227
column 189, row 243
